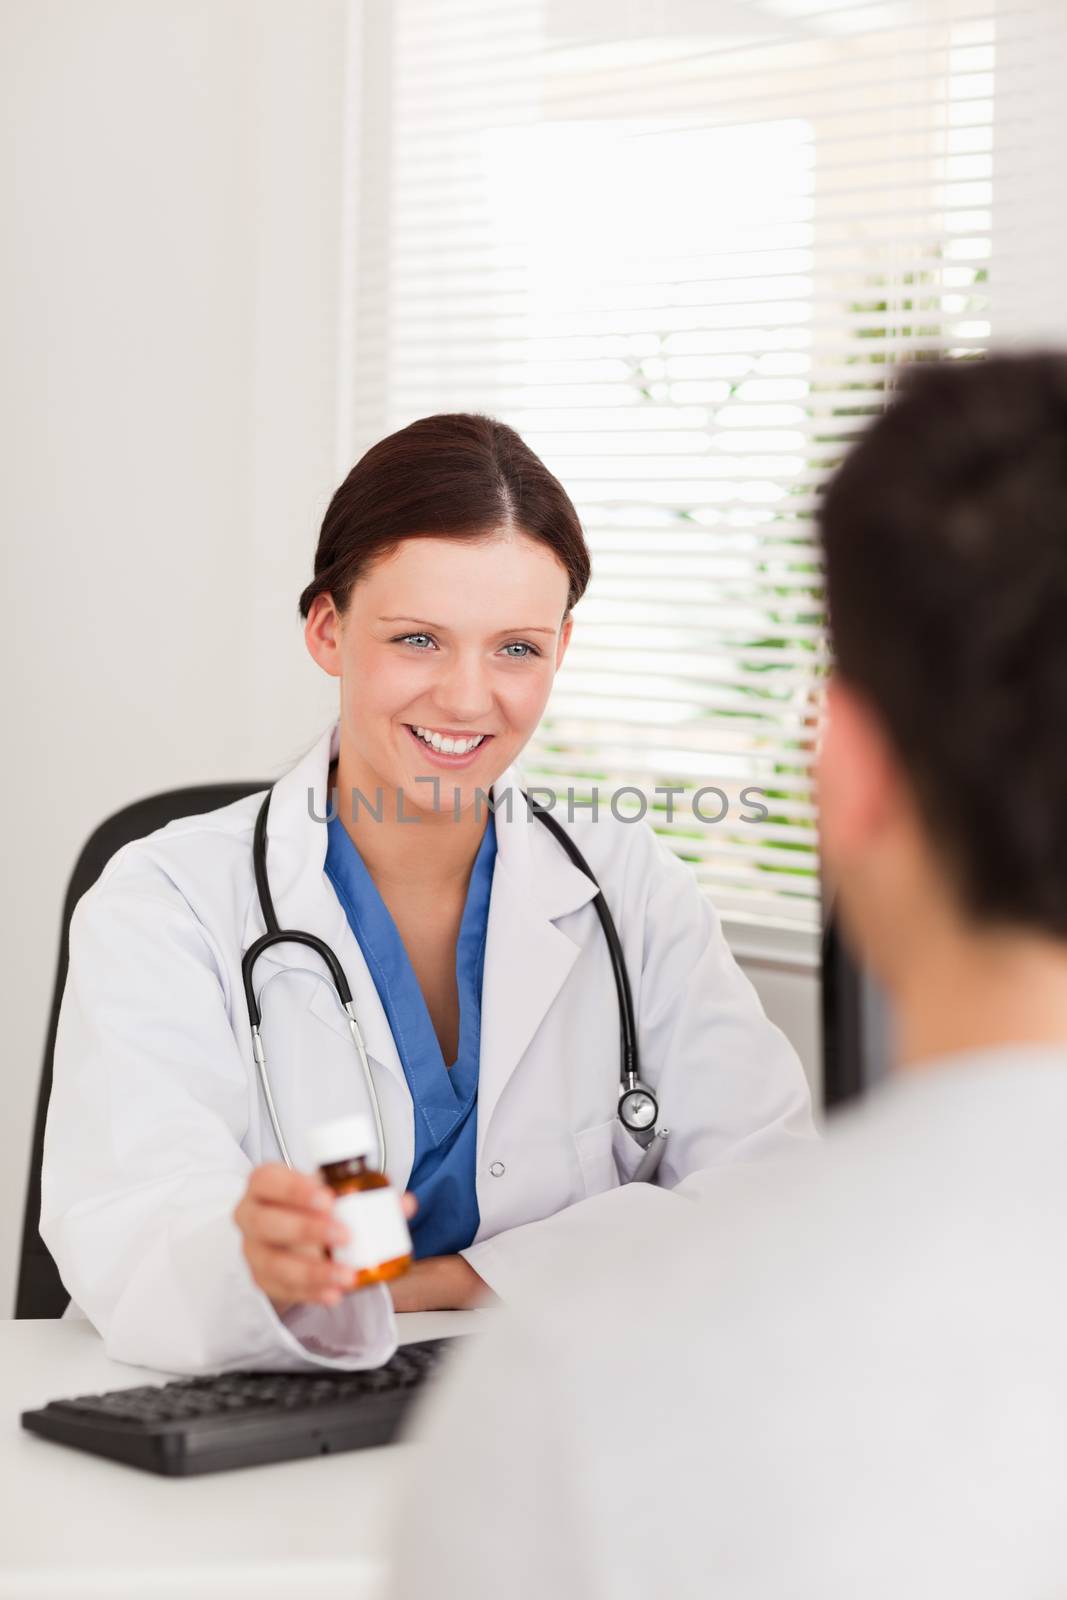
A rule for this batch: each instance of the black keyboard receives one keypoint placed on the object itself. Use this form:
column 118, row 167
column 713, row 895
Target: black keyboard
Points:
column 242, row 1419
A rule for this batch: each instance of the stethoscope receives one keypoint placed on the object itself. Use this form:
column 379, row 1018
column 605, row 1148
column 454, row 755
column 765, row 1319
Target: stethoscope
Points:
column 637, row 1107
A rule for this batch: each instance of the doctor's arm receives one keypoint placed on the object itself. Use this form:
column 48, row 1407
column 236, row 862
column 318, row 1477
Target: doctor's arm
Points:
column 440, row 1283
column 143, row 1164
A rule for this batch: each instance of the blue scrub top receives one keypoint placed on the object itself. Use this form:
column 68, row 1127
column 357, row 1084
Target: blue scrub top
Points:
column 446, row 1120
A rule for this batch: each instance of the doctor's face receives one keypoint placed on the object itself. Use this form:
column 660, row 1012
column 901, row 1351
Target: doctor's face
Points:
column 446, row 654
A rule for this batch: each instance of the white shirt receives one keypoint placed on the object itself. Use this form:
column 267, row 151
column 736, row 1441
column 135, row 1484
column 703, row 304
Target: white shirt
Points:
column 848, row 1379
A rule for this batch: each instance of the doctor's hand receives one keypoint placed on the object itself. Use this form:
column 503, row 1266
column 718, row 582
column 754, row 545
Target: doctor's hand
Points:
column 440, row 1283
column 287, row 1227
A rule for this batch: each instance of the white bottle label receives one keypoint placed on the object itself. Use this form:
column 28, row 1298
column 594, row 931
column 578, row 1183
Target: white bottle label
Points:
column 378, row 1229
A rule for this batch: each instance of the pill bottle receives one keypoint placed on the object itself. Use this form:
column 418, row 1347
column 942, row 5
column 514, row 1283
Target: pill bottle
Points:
column 379, row 1246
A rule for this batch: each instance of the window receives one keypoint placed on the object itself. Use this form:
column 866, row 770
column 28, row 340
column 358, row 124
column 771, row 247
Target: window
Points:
column 681, row 248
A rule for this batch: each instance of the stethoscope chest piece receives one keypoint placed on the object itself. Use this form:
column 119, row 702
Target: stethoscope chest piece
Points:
column 638, row 1110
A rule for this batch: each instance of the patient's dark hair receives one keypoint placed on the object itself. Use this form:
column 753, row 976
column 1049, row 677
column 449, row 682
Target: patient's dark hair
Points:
column 945, row 536
column 457, row 475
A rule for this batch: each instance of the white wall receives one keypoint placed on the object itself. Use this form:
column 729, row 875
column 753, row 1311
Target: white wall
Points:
column 791, row 993
column 168, row 303
column 170, row 311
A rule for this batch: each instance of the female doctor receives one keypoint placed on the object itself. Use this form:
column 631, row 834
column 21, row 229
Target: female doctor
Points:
column 447, row 568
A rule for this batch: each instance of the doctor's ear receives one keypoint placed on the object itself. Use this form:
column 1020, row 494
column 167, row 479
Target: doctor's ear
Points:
column 564, row 639
column 322, row 634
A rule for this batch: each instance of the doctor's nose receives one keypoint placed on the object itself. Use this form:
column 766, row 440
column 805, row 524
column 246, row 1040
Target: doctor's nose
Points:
column 463, row 692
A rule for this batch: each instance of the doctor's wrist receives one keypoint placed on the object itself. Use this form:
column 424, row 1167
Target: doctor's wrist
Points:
column 440, row 1283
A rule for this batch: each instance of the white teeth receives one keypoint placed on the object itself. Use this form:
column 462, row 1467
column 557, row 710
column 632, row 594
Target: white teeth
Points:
column 446, row 745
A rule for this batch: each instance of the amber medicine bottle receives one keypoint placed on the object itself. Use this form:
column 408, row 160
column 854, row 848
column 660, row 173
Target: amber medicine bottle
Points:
column 379, row 1246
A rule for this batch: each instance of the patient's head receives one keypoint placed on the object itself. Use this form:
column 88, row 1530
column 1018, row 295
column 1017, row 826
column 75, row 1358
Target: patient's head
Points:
column 943, row 768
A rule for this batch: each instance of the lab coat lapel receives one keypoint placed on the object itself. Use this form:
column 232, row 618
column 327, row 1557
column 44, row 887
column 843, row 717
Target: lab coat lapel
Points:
column 304, row 899
column 527, row 958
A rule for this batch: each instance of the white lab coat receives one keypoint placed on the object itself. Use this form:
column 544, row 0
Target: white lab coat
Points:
column 156, row 1117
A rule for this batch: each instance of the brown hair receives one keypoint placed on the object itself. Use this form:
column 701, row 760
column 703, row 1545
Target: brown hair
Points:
column 454, row 475
column 945, row 535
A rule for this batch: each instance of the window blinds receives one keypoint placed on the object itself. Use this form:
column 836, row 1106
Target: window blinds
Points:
column 681, row 248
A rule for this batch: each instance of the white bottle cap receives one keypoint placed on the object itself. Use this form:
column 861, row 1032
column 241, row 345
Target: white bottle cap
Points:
column 342, row 1139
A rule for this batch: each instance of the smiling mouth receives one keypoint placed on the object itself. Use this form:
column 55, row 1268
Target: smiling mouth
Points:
column 447, row 744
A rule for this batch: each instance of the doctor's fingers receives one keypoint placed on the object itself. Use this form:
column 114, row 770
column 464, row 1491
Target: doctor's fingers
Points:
column 285, row 1225
column 293, row 1275
column 273, row 1189
column 276, row 1184
column 279, row 1185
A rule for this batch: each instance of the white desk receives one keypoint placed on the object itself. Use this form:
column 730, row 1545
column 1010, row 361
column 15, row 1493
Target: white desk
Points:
column 77, row 1525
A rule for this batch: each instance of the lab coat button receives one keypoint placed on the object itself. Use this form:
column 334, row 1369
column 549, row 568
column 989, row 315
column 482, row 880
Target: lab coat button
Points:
column 498, row 1169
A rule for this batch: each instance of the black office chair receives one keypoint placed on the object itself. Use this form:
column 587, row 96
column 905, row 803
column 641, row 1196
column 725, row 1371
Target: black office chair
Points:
column 40, row 1291
column 842, row 1029
column 857, row 1023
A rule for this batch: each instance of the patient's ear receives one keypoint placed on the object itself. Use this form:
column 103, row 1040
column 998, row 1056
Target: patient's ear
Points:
column 858, row 777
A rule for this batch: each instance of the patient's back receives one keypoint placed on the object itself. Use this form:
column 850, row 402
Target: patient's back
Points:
column 851, row 1381
column 867, row 1392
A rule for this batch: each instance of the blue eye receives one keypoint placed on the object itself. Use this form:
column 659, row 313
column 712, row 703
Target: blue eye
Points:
column 418, row 640
column 527, row 650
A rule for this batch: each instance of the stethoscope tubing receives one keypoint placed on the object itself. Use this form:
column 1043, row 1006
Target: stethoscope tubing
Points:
column 275, row 934
column 627, row 1025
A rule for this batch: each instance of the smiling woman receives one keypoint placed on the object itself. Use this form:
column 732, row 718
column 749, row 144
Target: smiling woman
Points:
column 483, row 986
column 447, row 567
